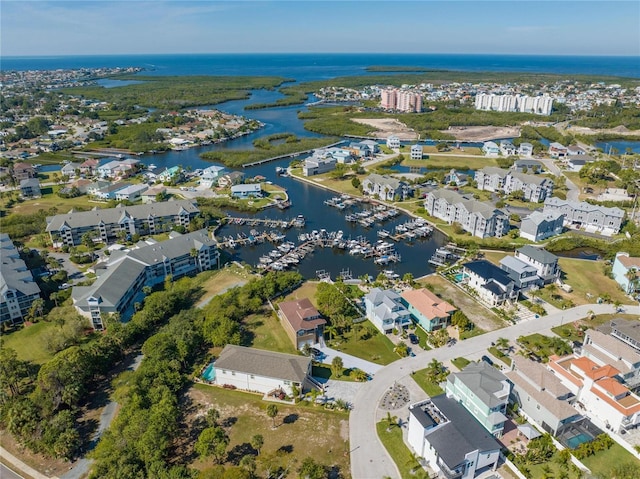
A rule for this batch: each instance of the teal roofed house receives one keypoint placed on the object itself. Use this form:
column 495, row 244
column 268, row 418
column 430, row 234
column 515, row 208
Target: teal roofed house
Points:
column 484, row 392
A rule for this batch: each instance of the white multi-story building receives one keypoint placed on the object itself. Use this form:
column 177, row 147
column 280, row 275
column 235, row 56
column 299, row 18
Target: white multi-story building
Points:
column 540, row 105
column 534, row 187
column 18, row 289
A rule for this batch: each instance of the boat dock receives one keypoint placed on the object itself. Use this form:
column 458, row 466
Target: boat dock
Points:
column 298, row 221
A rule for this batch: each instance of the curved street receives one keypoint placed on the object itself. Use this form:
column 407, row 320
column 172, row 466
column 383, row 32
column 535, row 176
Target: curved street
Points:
column 369, row 458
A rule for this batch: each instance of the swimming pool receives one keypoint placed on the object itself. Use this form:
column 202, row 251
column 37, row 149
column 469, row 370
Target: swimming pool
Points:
column 459, row 277
column 578, row 439
column 209, row 373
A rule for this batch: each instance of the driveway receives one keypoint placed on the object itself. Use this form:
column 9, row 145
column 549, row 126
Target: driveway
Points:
column 369, row 458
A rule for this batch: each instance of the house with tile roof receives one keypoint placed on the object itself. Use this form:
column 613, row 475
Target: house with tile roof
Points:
column 613, row 344
column 302, row 322
column 450, row 439
column 262, row 371
column 385, row 310
column 427, row 309
column 484, row 392
column 541, row 395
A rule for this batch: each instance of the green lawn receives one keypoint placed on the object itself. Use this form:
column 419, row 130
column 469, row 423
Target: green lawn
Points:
column 445, row 161
column 500, row 355
column 376, row 348
column 306, row 290
column 51, row 200
column 399, row 452
column 602, row 462
column 569, row 331
column 460, row 363
column 301, row 430
column 588, row 277
column 432, row 389
column 324, row 371
column 29, row 342
column 266, row 332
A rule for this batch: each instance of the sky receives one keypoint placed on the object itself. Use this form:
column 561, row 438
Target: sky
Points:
column 96, row 27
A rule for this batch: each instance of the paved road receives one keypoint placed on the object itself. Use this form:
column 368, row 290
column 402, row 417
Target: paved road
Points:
column 6, row 473
column 369, row 458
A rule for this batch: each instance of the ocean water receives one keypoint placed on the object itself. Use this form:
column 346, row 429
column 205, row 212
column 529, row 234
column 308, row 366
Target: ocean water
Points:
column 306, row 67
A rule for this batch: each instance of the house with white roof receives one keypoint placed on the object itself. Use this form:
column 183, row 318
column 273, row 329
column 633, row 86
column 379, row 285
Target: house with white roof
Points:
column 490, row 148
column 525, row 149
column 416, row 152
column 385, row 310
column 247, row 190
column 132, row 192
column 507, row 148
column 393, row 142
column 209, row 176
column 385, row 187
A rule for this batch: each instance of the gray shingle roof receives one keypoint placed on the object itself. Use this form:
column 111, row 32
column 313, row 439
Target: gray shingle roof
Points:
column 583, row 206
column 484, row 380
column 540, row 255
column 113, row 215
column 112, row 285
column 13, row 270
column 263, row 363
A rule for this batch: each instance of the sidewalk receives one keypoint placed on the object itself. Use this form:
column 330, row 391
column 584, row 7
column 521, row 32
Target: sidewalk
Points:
column 21, row 466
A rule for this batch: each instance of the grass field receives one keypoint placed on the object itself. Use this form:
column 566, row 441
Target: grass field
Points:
column 29, row 342
column 306, row 290
column 432, row 389
column 266, row 332
column 221, row 280
column 444, row 161
column 301, row 431
column 460, row 363
column 399, row 452
column 50, row 200
column 376, row 348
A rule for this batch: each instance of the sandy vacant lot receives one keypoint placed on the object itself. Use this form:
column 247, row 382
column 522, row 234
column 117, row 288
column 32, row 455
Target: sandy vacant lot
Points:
column 583, row 130
column 386, row 127
column 482, row 133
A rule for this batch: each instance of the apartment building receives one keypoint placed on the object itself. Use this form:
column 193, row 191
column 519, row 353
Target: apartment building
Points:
column 480, row 219
column 18, row 288
column 534, row 187
column 106, row 224
column 119, row 287
column 593, row 218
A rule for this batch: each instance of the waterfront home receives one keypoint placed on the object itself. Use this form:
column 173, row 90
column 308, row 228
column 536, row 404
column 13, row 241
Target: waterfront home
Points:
column 70, row 169
column 371, row 145
column 416, row 152
column 507, row 148
column 67, row 229
column 132, row 192
column 605, row 400
column 149, row 263
column 262, row 371
column 117, row 168
column 557, row 150
column 533, row 187
column 89, row 167
column 169, row 174
column 626, row 272
column 484, row 392
column 18, row 289
column 209, row 176
column 363, row 149
column 231, row 178
column 109, row 191
column 385, row 310
column 525, row 149
column 575, row 150
column 480, row 219
column 546, row 263
column 456, row 178
column 577, row 162
column 385, row 187
column 30, row 188
column 427, row 309
column 539, row 226
column 541, row 395
column 393, row 142
column 593, row 218
column 528, row 166
column 316, row 165
column 23, row 171
column 523, row 274
column 249, row 190
column 490, row 283
column 302, row 322
column 450, row 439
column 489, row 148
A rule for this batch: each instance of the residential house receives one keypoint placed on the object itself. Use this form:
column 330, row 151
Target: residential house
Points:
column 480, row 219
column 316, row 165
column 106, row 224
column 523, row 274
column 525, row 149
column 626, row 272
column 262, row 371
column 24, row 171
column 575, row 150
column 492, row 284
column 393, row 142
column 30, row 188
column 169, row 174
column 302, row 322
column 209, row 176
column 593, row 218
column 249, row 190
column 151, row 194
column 490, row 148
column 541, row 395
column 119, row 287
column 109, row 192
column 539, row 226
column 117, row 168
column 385, row 187
column 89, row 167
column 557, row 150
column 610, row 345
column 528, row 166
column 229, row 179
column 456, row 178
column 484, row 392
column 416, row 152
column 132, row 192
column 604, row 399
column 507, row 148
column 626, row 331
column 363, row 149
column 450, row 439
column 372, row 146
column 577, row 162
column 18, row 289
column 545, row 263
column 385, row 310
column 70, row 169
column 427, row 309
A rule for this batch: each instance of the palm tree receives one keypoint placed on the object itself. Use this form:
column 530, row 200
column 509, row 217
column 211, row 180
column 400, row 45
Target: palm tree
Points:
column 435, row 369
column 272, row 412
column 359, row 375
column 332, row 331
column 632, row 276
column 502, row 344
column 257, row 442
column 392, row 421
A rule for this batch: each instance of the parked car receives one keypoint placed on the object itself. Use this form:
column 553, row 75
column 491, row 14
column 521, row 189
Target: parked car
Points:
column 487, row 360
column 316, row 353
column 414, row 339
